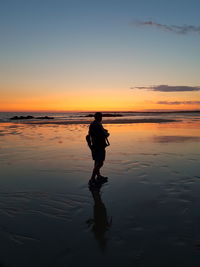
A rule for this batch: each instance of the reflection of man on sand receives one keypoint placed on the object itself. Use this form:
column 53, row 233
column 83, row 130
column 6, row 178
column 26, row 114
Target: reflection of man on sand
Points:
column 97, row 142
column 100, row 223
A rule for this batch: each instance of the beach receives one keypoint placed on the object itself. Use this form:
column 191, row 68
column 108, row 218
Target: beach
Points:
column 65, row 201
column 146, row 215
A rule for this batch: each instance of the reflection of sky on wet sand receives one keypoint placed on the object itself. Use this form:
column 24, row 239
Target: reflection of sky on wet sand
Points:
column 176, row 139
column 152, row 196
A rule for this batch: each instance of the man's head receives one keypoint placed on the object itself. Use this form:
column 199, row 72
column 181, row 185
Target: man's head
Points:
column 98, row 116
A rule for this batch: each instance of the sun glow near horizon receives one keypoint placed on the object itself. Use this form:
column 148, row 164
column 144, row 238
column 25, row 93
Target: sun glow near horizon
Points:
column 100, row 104
column 98, row 100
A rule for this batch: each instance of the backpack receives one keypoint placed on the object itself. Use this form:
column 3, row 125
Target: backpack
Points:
column 88, row 140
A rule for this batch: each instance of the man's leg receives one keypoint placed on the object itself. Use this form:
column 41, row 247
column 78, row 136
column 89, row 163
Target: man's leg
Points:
column 99, row 157
column 96, row 170
column 98, row 166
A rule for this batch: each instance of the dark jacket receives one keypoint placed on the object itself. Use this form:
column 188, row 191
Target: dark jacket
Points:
column 98, row 135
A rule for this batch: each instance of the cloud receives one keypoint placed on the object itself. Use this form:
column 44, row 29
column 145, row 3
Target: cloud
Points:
column 184, row 29
column 168, row 88
column 178, row 102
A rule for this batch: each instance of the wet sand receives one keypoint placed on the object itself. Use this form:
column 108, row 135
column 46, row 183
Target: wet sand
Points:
column 146, row 215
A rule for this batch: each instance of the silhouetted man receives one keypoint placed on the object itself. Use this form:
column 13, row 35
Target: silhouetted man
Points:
column 97, row 141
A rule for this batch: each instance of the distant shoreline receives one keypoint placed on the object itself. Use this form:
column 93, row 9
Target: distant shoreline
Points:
column 106, row 121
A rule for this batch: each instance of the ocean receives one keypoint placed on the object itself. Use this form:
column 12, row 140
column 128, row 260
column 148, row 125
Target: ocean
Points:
column 193, row 116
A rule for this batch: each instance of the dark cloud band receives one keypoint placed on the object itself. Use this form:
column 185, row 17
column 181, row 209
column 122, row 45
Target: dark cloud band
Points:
column 178, row 102
column 168, row 88
column 184, row 29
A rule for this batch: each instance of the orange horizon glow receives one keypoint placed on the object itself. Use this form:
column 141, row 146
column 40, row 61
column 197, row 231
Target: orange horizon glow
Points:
column 101, row 110
column 89, row 101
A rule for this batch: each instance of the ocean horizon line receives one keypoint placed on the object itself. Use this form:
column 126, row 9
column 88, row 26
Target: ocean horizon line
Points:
column 108, row 111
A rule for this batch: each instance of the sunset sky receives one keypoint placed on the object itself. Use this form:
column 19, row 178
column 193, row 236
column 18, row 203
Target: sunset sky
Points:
column 83, row 55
